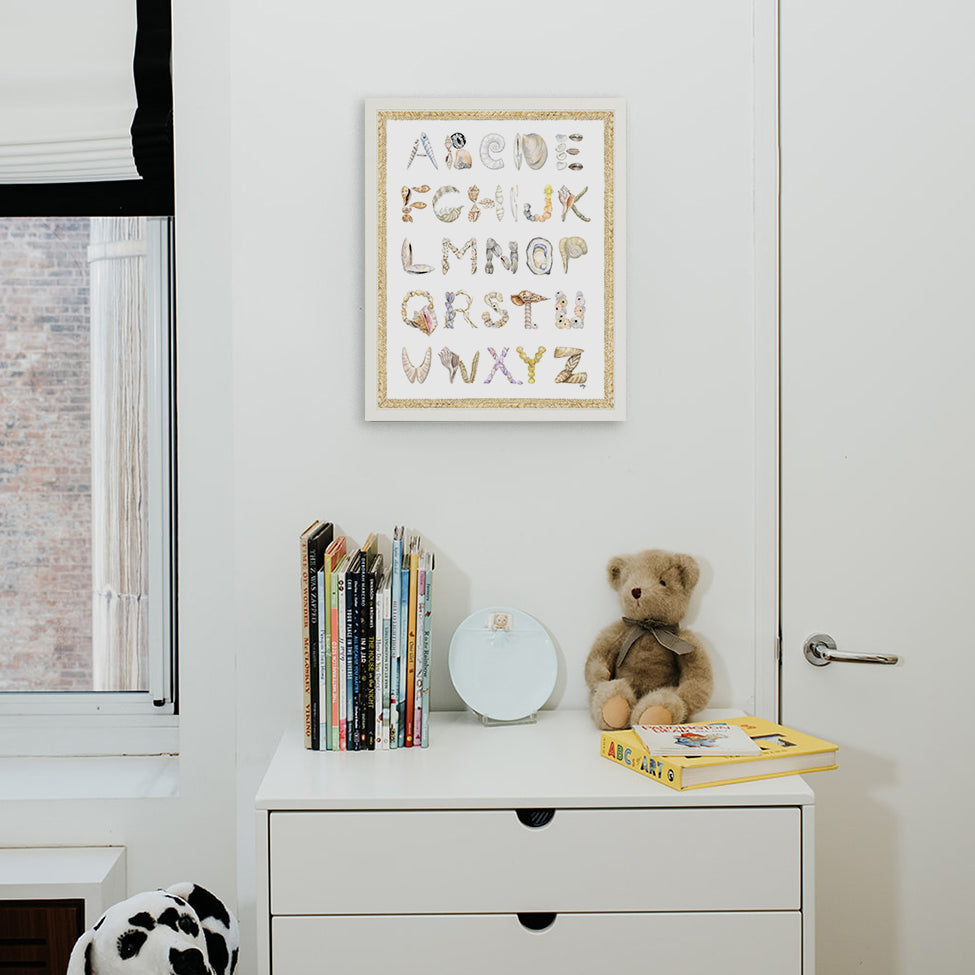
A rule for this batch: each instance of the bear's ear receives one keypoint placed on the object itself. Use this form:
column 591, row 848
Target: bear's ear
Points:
column 615, row 568
column 688, row 569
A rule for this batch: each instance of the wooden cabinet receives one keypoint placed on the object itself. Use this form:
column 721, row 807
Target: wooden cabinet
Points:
column 421, row 856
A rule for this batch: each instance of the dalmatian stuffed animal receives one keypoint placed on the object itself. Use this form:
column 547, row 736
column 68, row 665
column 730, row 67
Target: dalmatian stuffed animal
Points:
column 182, row 930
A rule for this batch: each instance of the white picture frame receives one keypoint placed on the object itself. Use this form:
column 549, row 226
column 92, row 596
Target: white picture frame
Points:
column 495, row 259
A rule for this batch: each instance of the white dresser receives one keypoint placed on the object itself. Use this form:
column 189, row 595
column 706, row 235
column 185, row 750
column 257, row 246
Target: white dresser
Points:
column 433, row 860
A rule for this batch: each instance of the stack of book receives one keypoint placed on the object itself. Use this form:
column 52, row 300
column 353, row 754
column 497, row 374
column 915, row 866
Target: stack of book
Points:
column 691, row 757
column 365, row 641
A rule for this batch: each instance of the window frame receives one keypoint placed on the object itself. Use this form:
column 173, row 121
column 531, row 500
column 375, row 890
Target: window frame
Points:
column 128, row 722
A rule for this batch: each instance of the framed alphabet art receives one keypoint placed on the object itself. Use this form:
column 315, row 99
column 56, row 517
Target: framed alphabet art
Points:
column 494, row 270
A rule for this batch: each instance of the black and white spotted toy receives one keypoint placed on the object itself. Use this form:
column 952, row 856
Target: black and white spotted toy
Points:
column 182, row 930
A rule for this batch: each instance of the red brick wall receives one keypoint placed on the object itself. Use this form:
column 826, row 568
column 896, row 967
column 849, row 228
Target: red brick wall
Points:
column 45, row 466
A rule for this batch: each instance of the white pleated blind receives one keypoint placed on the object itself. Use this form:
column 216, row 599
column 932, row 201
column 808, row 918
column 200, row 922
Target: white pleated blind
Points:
column 67, row 93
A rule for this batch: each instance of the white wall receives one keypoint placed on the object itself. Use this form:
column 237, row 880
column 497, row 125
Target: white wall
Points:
column 525, row 514
column 271, row 242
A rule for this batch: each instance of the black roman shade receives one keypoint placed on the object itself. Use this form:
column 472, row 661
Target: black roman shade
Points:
column 86, row 110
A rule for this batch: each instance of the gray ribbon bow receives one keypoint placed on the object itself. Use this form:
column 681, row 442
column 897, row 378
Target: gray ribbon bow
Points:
column 665, row 636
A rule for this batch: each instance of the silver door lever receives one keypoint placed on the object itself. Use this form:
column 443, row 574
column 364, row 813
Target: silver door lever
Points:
column 820, row 650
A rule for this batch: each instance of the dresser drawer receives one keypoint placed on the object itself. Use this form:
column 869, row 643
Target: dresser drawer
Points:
column 583, row 860
column 758, row 944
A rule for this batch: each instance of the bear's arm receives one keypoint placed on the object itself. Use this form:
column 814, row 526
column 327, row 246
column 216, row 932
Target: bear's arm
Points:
column 696, row 679
column 599, row 663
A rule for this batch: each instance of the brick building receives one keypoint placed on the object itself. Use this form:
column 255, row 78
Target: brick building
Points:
column 45, row 455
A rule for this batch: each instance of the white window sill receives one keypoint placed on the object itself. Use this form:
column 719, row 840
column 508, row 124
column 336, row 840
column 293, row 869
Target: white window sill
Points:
column 63, row 736
column 102, row 777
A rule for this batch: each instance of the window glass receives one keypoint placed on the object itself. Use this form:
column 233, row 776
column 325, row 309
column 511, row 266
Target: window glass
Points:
column 85, row 557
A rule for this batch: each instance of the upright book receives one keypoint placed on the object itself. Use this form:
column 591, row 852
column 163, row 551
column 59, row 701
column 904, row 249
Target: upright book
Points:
column 328, row 661
column 394, row 636
column 318, row 541
column 427, row 653
column 372, row 627
column 411, row 630
column 348, row 628
column 305, row 629
column 338, row 653
column 383, row 631
column 784, row 751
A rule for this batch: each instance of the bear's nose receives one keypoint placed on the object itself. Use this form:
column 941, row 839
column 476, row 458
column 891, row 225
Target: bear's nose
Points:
column 636, row 593
column 189, row 962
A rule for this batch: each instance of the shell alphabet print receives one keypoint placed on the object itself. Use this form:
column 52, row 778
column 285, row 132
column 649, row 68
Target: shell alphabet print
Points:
column 495, row 264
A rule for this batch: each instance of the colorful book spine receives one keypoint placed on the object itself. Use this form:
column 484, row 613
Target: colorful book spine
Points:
column 421, row 609
column 372, row 627
column 394, row 645
column 305, row 629
column 323, row 663
column 328, row 660
column 427, row 653
column 354, row 596
column 343, row 659
column 334, row 638
column 411, row 640
column 383, row 657
column 404, row 615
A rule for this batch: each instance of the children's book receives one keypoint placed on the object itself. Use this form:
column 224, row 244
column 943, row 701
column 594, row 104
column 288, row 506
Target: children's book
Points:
column 305, row 634
column 348, row 625
column 383, row 660
column 313, row 542
column 784, row 751
column 411, row 620
column 394, row 636
column 404, row 607
column 714, row 738
column 338, row 672
column 323, row 657
column 371, row 687
column 427, row 650
column 421, row 612
column 327, row 660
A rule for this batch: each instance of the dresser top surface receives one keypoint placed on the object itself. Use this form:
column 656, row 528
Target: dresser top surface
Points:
column 553, row 763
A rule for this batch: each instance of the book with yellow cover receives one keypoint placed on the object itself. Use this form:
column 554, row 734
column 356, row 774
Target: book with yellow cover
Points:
column 784, row 752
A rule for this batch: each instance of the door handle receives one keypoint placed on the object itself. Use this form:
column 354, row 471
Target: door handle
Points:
column 820, row 650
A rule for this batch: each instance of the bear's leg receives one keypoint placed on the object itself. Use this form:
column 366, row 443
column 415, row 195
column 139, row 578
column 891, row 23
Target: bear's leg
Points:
column 656, row 714
column 611, row 704
column 663, row 703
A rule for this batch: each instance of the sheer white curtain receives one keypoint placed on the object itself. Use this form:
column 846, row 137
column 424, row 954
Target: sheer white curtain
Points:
column 67, row 94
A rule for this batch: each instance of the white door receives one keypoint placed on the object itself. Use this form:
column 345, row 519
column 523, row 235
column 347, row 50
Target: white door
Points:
column 878, row 466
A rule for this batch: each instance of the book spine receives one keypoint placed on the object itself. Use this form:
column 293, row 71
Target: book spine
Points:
column 395, row 620
column 305, row 636
column 411, row 647
column 382, row 723
column 343, row 662
column 635, row 758
column 353, row 596
column 427, row 652
column 404, row 612
column 324, row 663
column 369, row 711
column 313, row 642
column 421, row 609
column 334, row 651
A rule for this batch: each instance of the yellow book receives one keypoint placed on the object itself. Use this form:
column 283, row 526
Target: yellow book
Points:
column 784, row 752
column 411, row 632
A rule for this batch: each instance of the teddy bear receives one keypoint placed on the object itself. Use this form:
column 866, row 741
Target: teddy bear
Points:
column 182, row 930
column 645, row 669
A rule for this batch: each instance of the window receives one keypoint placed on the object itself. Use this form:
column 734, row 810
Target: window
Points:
column 87, row 469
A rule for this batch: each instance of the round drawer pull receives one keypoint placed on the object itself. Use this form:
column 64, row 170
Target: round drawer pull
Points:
column 533, row 818
column 537, row 920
